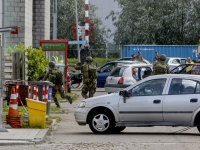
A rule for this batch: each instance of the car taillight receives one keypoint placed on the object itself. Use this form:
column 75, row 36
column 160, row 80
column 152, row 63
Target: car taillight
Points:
column 106, row 80
column 68, row 78
column 121, row 81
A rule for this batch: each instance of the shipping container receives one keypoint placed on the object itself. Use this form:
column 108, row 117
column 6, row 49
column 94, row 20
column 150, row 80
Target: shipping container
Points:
column 148, row 51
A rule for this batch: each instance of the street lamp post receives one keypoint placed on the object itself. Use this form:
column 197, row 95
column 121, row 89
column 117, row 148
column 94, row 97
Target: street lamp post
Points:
column 78, row 51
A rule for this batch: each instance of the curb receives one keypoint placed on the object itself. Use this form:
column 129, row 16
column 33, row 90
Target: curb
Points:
column 39, row 138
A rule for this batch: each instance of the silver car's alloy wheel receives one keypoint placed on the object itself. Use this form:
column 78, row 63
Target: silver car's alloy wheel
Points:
column 100, row 122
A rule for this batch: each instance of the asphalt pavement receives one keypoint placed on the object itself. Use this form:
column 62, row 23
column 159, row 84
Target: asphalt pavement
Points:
column 69, row 135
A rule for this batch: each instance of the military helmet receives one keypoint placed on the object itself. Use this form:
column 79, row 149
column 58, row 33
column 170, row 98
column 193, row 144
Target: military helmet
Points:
column 163, row 57
column 52, row 63
column 89, row 58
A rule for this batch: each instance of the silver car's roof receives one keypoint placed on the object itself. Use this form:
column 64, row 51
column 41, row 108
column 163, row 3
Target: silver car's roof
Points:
column 176, row 76
column 137, row 65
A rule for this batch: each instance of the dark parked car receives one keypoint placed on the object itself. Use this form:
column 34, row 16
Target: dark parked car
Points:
column 187, row 69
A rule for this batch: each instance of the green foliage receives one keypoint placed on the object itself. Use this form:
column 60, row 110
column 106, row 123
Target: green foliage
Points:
column 166, row 22
column 36, row 63
column 55, row 117
column 36, row 60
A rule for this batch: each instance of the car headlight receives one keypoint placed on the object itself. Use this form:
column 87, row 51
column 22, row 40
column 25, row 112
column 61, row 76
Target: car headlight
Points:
column 81, row 105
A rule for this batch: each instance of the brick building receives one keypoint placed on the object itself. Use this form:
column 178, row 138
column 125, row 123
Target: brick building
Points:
column 33, row 17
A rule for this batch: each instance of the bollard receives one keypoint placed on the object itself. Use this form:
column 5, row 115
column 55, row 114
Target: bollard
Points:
column 43, row 94
column 37, row 98
column 34, row 92
column 29, row 91
column 49, row 102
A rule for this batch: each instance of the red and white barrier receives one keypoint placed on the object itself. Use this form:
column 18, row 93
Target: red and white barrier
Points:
column 87, row 22
column 47, row 93
column 17, row 92
column 29, row 91
column 37, row 98
column 34, row 92
column 43, row 95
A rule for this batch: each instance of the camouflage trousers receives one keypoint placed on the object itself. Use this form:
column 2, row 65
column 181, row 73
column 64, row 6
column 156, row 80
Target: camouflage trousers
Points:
column 60, row 89
column 89, row 87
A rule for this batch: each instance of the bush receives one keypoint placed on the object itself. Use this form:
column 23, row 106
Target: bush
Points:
column 36, row 60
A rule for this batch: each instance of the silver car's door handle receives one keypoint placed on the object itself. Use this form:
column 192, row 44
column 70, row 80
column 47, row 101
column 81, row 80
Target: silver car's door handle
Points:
column 156, row 101
column 194, row 100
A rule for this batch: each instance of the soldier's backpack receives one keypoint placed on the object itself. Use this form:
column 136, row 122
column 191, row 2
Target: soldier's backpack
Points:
column 160, row 68
column 90, row 73
column 56, row 77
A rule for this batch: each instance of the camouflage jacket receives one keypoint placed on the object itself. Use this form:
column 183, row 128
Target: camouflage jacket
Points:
column 139, row 58
column 87, row 74
column 156, row 58
column 161, row 68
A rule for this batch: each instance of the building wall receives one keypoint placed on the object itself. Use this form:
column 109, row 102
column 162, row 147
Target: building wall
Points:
column 18, row 13
column 27, row 14
column 41, row 21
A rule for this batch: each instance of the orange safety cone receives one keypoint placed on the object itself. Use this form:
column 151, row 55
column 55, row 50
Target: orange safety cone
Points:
column 13, row 118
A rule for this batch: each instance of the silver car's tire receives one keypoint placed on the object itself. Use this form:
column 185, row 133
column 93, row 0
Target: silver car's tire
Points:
column 101, row 122
column 117, row 129
column 198, row 124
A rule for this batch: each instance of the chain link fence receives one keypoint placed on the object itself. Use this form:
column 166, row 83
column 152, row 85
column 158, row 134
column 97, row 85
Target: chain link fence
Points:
column 96, row 53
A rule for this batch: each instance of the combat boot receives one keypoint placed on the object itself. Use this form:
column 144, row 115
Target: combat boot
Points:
column 69, row 99
column 56, row 102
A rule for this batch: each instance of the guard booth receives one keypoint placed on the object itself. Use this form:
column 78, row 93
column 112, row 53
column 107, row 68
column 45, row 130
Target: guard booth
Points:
column 56, row 50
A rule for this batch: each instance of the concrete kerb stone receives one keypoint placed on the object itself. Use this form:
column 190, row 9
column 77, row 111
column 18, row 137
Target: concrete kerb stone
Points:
column 38, row 139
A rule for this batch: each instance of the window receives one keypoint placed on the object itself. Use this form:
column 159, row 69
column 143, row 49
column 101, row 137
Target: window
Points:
column 182, row 86
column 196, row 69
column 118, row 71
column 198, row 88
column 183, row 61
column 152, row 87
column 107, row 68
column 145, row 72
column 135, row 73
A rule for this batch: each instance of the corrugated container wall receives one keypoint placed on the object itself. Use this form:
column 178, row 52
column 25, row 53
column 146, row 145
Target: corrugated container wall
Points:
column 148, row 51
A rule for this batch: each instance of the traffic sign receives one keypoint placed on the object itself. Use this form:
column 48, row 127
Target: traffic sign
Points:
column 75, row 42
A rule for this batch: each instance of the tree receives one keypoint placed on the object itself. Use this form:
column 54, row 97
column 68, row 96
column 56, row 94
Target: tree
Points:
column 67, row 16
column 167, row 22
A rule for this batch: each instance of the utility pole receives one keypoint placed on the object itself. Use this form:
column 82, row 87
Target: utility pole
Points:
column 54, row 19
column 78, row 50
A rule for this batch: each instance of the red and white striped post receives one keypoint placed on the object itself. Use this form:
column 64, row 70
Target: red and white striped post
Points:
column 87, row 23
column 43, row 95
column 29, row 91
column 34, row 92
column 17, row 92
column 47, row 93
column 37, row 98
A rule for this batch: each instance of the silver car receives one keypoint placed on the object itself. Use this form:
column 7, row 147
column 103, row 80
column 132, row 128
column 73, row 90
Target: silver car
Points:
column 173, row 62
column 160, row 100
column 123, row 76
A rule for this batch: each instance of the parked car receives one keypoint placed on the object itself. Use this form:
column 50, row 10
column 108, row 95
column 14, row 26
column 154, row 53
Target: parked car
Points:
column 173, row 62
column 183, row 69
column 129, row 58
column 124, row 76
column 159, row 100
column 61, row 66
column 104, row 71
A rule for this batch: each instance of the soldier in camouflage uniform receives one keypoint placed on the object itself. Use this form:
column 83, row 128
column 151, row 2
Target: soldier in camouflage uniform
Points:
column 89, row 77
column 161, row 67
column 155, row 59
column 56, row 77
column 139, row 57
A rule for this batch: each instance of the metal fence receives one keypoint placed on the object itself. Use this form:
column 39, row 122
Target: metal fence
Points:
column 97, row 53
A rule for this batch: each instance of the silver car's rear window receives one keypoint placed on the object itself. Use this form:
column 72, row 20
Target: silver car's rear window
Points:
column 118, row 71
